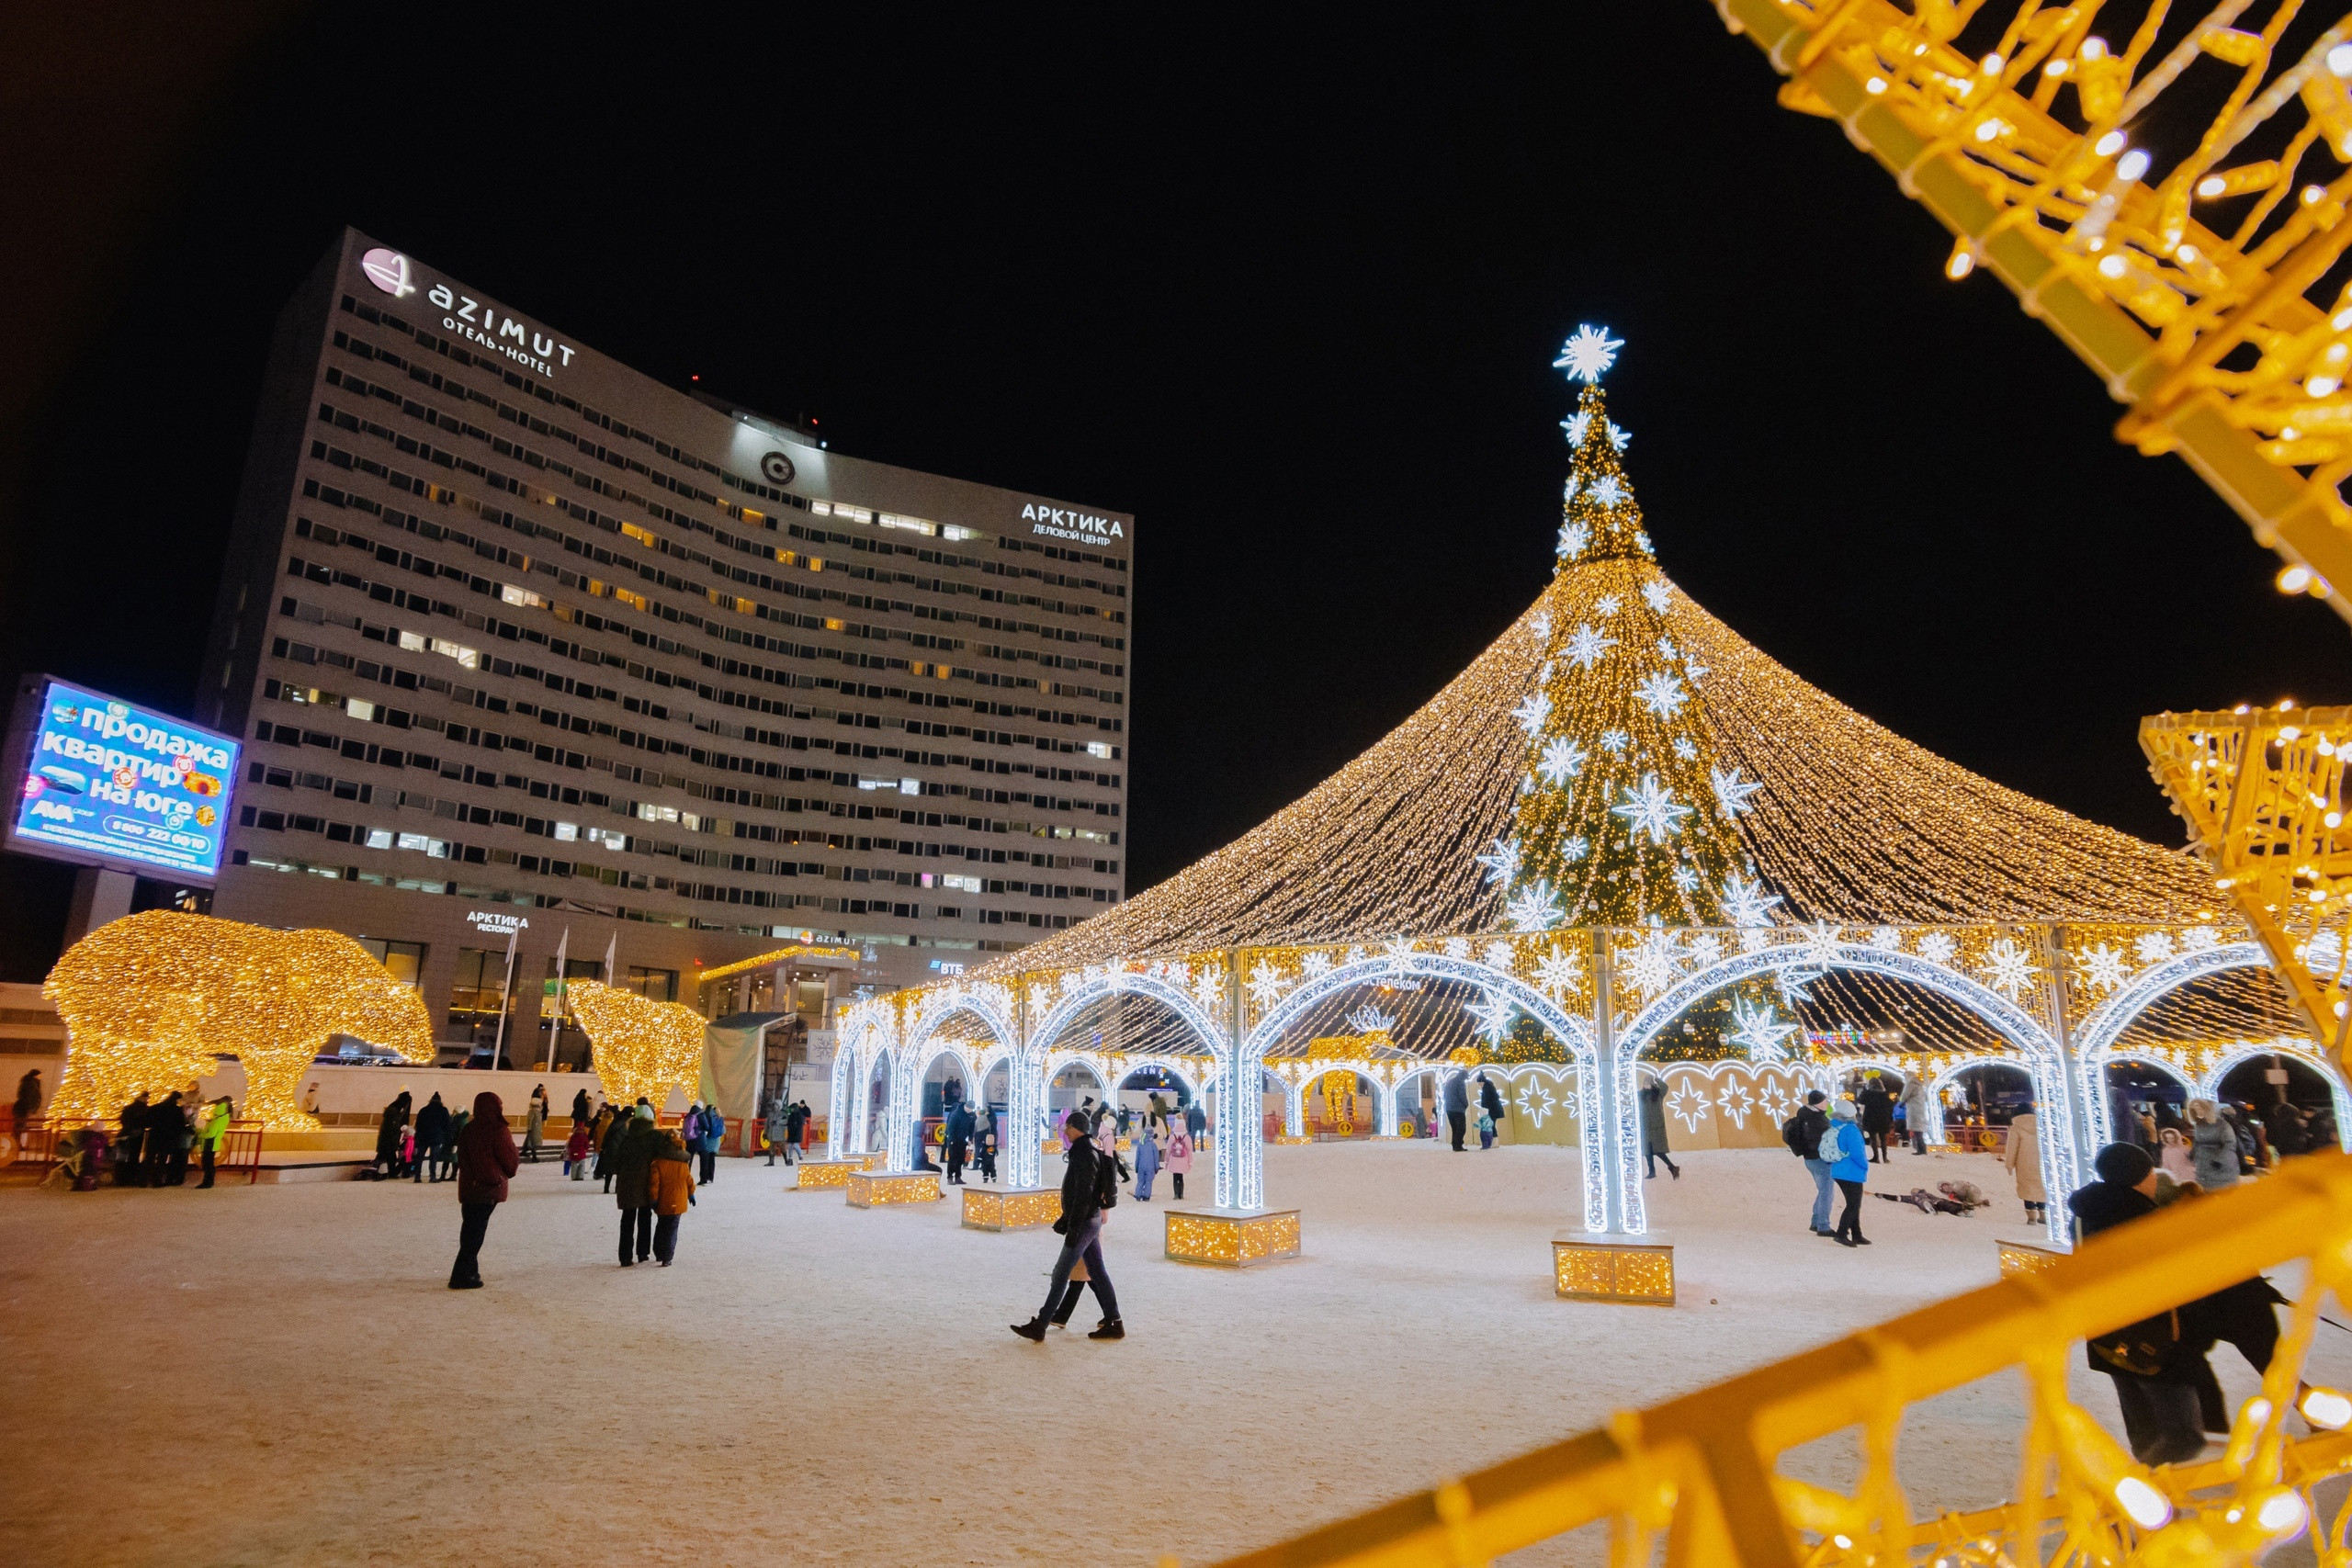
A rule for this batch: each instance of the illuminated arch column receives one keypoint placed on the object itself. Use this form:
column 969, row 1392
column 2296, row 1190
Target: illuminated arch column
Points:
column 1024, row 1116
column 1384, row 1104
column 1293, row 1105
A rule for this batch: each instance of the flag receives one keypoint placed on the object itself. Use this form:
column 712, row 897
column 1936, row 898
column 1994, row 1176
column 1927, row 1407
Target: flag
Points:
column 612, row 948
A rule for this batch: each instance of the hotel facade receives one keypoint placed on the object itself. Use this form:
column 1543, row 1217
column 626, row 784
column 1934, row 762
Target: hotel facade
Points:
column 535, row 655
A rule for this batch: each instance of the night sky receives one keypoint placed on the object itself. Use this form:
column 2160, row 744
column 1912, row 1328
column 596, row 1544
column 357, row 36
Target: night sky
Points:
column 1285, row 286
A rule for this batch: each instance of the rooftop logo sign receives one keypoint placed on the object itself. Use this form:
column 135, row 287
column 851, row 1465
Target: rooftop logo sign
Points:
column 1067, row 523
column 394, row 274
column 388, row 271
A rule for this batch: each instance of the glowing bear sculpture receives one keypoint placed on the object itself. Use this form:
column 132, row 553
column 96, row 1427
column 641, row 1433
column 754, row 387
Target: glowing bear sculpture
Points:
column 642, row 1047
column 151, row 1000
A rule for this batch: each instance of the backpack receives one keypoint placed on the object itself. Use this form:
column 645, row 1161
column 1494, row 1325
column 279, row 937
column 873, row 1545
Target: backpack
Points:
column 1792, row 1134
column 1831, row 1150
column 1106, row 1181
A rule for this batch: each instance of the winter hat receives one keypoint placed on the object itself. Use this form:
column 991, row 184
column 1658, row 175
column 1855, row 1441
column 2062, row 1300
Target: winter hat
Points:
column 2123, row 1165
column 645, row 1113
column 1844, row 1109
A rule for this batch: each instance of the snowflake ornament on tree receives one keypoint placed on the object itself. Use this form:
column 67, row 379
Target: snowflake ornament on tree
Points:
column 1535, row 908
column 1588, row 355
column 1662, row 694
column 1502, row 863
column 1563, row 758
column 1658, row 596
column 1652, row 810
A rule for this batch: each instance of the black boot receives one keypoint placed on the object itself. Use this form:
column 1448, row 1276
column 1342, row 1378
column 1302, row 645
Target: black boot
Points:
column 1113, row 1329
column 1033, row 1329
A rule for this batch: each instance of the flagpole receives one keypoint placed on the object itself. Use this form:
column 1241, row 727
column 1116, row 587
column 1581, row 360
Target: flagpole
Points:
column 505, row 1002
column 555, row 1024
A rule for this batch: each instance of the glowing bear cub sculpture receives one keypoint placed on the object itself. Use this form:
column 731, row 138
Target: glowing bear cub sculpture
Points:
column 642, row 1047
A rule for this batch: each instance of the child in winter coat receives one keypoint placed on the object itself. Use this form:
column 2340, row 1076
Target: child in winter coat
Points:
column 1486, row 1129
column 575, row 1152
column 674, row 1192
column 1180, row 1158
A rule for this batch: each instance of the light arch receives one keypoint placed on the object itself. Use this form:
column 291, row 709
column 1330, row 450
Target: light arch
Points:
column 2007, row 1018
column 866, row 1040
column 2210, row 1086
column 1575, row 1033
column 1045, row 1031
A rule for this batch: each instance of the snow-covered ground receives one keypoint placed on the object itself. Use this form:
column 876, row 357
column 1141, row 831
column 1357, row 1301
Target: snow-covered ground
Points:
column 279, row 1375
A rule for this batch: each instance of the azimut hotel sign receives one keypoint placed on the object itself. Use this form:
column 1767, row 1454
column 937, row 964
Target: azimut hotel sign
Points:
column 469, row 318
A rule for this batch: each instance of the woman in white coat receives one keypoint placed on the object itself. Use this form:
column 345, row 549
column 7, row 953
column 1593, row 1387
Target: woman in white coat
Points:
column 2022, row 1154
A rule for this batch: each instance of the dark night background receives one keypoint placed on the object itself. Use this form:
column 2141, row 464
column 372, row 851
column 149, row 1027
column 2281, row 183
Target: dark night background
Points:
column 1285, row 285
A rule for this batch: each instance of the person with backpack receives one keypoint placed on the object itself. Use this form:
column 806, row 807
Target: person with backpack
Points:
column 1803, row 1133
column 631, row 1167
column 1180, row 1159
column 1090, row 1190
column 714, row 1132
column 1847, row 1154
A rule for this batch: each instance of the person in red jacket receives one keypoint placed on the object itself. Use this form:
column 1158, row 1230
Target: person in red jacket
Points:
column 486, row 1157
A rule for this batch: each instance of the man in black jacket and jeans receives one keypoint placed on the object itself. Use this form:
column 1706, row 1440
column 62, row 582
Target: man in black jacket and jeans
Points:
column 1088, row 1172
column 1457, row 1107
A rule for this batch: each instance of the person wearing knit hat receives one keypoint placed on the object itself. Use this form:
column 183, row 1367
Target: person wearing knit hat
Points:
column 1848, row 1171
column 2156, row 1373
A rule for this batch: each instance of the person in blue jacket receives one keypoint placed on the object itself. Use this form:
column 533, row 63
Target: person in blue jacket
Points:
column 1849, row 1169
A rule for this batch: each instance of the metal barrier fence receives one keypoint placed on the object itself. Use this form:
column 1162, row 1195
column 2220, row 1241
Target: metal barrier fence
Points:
column 240, row 1145
column 1698, row 1470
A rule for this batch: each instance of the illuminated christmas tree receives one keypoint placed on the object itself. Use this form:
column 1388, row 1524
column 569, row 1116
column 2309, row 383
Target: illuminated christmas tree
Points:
column 1626, row 817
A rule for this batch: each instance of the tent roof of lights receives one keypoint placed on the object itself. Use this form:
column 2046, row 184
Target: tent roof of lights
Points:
column 1620, row 758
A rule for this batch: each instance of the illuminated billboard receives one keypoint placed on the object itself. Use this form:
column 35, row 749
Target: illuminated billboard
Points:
column 101, row 782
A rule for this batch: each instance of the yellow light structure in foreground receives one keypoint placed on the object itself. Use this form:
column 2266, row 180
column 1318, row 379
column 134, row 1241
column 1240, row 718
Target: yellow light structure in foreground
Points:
column 1231, row 1240
column 827, row 1174
column 2263, row 792
column 150, row 1001
column 1632, row 1271
column 641, row 1047
column 2168, row 198
column 1700, row 1470
column 1010, row 1208
column 884, row 1189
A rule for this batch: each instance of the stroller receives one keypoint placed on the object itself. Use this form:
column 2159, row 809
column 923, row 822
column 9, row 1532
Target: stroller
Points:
column 79, row 1156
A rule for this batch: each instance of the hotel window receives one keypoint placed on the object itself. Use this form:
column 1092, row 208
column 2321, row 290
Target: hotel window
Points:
column 404, row 959
column 653, row 985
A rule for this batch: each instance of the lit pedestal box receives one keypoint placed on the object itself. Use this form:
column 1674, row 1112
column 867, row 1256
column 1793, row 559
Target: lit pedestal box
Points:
column 882, row 1189
column 1232, row 1239
column 1634, row 1270
column 1010, row 1208
column 830, row 1173
column 1287, row 1141
column 874, row 1160
column 2026, row 1256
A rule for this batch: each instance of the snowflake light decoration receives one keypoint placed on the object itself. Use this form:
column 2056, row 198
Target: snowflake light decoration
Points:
column 1689, row 1102
column 1760, row 1030
column 1574, row 537
column 1732, row 791
column 1650, row 808
column 1316, row 965
column 1267, row 984
column 1535, row 908
column 1568, row 490
column 1606, row 604
column 1704, row 949
column 1655, row 963
column 1885, row 938
column 1937, row 947
column 1457, row 947
column 1576, row 424
column 1821, row 943
column 1609, row 489
column 1575, row 849
column 1684, row 750
column 1560, row 973
column 2105, row 966
column 1620, row 439
column 1791, row 984
column 1532, row 712
column 1492, row 1013
column 2153, row 947
column 1614, row 741
column 1498, row 956
column 2008, row 967
column 1563, row 759
column 2199, row 938
column 1685, row 878
column 1660, row 596
column 1354, row 955
column 1746, row 904
column 1662, row 694
column 1208, row 990
column 1400, row 956
column 1501, row 862
column 1588, row 353
column 1586, row 646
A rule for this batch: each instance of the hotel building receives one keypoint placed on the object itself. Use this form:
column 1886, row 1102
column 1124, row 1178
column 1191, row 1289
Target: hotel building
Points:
column 527, row 646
